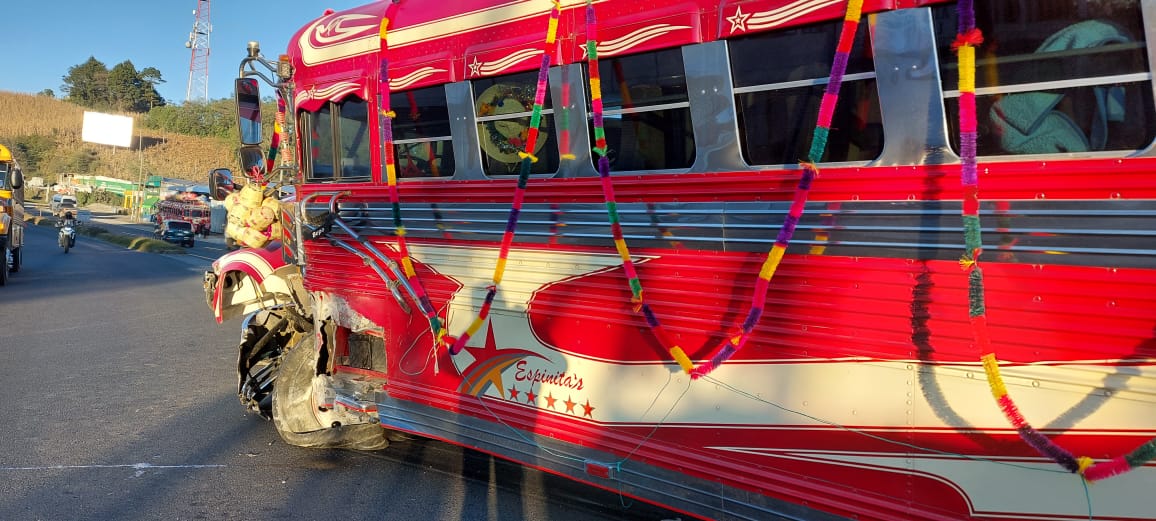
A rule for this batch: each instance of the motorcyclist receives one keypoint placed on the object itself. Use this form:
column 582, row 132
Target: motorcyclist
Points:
column 67, row 226
column 67, row 220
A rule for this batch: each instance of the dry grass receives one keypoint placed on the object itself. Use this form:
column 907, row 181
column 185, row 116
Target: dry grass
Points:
column 169, row 155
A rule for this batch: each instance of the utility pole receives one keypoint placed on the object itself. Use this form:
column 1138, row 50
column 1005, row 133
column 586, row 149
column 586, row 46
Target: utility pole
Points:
column 198, row 43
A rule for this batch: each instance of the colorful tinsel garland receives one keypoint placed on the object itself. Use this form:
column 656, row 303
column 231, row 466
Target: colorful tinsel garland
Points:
column 818, row 146
column 729, row 347
column 967, row 40
column 519, row 193
column 635, row 283
column 386, row 119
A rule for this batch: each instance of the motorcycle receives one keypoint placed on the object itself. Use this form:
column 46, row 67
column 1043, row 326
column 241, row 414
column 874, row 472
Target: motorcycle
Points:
column 66, row 237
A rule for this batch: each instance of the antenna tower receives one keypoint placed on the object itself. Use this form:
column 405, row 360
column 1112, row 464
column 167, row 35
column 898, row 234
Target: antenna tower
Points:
column 198, row 42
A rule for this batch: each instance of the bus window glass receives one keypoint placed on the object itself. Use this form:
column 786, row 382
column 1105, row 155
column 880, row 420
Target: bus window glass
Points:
column 504, row 105
column 353, row 136
column 778, row 99
column 318, row 148
column 646, row 112
column 1053, row 76
column 421, row 133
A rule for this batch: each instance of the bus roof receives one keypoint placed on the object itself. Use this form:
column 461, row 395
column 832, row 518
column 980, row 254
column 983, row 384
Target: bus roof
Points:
column 433, row 43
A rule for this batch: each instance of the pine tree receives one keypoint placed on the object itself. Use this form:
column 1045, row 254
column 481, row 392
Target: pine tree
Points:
column 87, row 84
column 125, row 87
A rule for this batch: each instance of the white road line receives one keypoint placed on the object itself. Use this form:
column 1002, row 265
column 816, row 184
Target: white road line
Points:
column 139, row 466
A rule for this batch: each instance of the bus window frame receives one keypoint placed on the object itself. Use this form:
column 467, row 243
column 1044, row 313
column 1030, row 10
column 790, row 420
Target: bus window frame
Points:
column 548, row 122
column 333, row 110
column 432, row 139
column 307, row 122
column 645, row 107
column 1143, row 81
column 359, row 144
column 819, row 62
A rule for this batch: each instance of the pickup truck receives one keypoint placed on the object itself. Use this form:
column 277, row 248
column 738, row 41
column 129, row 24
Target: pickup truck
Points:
column 62, row 203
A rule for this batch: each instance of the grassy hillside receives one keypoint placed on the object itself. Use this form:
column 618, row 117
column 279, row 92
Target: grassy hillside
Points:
column 50, row 131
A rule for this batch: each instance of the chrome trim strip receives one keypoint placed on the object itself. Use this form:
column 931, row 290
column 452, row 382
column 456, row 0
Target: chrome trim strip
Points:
column 1093, row 81
column 802, row 83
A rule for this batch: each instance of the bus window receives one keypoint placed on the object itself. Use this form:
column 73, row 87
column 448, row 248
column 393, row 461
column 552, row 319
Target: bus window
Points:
column 1053, row 76
column 348, row 132
column 353, row 136
column 504, row 105
column 318, row 148
column 779, row 80
column 421, row 133
column 646, row 112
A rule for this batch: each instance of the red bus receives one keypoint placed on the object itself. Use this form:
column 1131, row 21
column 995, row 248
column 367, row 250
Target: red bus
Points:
column 184, row 208
column 757, row 259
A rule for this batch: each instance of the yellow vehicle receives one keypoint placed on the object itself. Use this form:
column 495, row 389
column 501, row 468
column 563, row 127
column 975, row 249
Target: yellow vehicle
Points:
column 11, row 214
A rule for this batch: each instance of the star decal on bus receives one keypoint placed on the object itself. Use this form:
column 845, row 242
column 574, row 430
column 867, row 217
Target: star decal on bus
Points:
column 738, row 21
column 488, row 366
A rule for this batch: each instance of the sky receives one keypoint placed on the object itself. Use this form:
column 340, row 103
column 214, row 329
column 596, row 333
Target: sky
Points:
column 42, row 40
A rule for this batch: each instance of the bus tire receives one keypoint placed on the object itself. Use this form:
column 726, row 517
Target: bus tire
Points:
column 3, row 261
column 17, row 259
column 295, row 416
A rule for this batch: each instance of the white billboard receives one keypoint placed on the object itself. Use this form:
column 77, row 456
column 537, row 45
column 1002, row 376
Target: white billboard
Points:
column 107, row 129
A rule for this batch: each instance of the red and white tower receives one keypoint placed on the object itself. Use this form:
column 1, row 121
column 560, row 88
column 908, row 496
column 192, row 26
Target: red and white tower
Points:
column 198, row 42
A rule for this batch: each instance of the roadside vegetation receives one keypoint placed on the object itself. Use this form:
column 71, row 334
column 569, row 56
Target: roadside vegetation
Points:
column 180, row 141
column 45, row 136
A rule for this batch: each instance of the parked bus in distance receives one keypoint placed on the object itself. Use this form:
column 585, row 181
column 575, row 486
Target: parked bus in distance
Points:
column 185, row 206
column 745, row 259
column 11, row 215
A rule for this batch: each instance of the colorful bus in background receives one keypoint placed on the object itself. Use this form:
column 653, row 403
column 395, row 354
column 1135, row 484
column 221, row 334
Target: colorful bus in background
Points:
column 747, row 259
column 184, row 206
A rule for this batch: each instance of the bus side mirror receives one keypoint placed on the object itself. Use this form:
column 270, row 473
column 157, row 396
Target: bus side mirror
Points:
column 221, row 183
column 249, row 110
column 252, row 161
column 16, row 179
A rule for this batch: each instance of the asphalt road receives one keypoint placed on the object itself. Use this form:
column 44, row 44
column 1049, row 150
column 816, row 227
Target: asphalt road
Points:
column 118, row 404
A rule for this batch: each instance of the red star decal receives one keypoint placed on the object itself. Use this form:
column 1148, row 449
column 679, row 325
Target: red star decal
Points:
column 589, row 410
column 530, row 396
column 569, row 405
column 514, row 393
column 550, row 400
column 489, row 363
